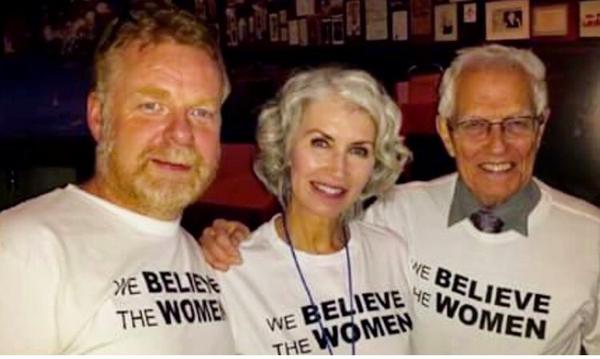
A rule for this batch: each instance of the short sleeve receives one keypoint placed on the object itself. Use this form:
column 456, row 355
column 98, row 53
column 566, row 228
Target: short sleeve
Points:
column 387, row 212
column 591, row 339
column 28, row 283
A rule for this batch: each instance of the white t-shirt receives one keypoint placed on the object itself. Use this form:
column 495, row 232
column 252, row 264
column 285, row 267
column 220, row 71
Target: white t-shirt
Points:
column 79, row 275
column 270, row 312
column 499, row 293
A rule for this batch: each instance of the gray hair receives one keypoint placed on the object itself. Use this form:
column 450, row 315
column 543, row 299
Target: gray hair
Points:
column 495, row 56
column 280, row 118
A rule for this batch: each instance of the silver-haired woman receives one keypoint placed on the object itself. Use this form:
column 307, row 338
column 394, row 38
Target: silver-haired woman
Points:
column 316, row 279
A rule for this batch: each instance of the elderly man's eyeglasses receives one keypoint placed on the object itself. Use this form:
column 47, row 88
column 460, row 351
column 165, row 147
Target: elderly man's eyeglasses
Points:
column 512, row 127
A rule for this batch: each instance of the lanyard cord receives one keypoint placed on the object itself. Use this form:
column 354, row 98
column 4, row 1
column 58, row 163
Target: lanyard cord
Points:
column 307, row 289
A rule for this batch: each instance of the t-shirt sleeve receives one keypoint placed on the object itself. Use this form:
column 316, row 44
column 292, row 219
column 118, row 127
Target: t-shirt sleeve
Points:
column 591, row 339
column 387, row 212
column 27, row 298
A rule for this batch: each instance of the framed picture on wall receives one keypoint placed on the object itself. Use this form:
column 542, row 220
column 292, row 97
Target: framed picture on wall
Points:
column 420, row 17
column 400, row 25
column 294, row 38
column 353, row 24
column 376, row 15
column 260, row 22
column 589, row 18
column 507, row 20
column 337, row 29
column 470, row 13
column 274, row 27
column 283, row 26
column 232, row 27
column 550, row 20
column 446, row 22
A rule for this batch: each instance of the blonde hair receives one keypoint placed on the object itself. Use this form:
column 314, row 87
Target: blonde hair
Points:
column 280, row 118
column 152, row 25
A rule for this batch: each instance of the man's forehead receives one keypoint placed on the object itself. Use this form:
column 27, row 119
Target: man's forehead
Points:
column 487, row 69
column 155, row 66
column 506, row 84
column 135, row 52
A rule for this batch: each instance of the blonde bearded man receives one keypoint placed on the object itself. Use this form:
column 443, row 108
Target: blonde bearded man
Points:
column 105, row 267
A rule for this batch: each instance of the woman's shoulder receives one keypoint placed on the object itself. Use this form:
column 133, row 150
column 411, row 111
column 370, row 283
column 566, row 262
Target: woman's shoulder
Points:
column 380, row 246
column 261, row 238
column 374, row 234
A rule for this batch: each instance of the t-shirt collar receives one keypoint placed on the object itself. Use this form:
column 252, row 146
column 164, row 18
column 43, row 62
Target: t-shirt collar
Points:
column 140, row 222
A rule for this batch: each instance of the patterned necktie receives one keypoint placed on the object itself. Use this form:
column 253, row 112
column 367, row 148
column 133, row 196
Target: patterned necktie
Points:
column 485, row 221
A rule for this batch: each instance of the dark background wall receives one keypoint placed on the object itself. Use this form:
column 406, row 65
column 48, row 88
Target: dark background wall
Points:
column 44, row 140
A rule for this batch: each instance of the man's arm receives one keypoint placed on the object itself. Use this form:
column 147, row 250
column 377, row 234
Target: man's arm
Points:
column 220, row 243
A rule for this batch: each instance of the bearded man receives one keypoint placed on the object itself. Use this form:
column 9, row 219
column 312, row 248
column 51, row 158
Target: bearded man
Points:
column 105, row 267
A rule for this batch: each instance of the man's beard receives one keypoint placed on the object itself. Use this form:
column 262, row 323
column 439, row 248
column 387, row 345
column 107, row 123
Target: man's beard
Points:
column 143, row 188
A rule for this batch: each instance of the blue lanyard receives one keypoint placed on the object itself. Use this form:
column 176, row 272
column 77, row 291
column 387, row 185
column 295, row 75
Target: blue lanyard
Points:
column 288, row 239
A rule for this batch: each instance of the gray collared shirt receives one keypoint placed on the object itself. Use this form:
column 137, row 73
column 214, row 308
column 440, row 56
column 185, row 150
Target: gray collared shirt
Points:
column 513, row 213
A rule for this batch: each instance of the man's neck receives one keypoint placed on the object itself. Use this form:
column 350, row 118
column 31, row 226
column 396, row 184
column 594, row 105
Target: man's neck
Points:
column 514, row 212
column 100, row 188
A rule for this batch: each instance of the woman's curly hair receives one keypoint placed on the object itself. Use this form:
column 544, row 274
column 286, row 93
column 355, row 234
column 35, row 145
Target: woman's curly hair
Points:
column 281, row 116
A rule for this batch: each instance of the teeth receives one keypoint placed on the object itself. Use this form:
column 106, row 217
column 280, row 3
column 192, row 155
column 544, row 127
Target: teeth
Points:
column 327, row 189
column 496, row 167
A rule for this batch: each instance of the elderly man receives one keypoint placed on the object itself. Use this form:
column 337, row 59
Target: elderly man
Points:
column 500, row 262
column 105, row 267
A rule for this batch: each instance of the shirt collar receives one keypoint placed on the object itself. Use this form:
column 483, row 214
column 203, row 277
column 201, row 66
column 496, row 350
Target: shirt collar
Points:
column 514, row 212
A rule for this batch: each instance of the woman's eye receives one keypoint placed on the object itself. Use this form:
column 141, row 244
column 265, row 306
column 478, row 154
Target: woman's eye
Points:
column 359, row 151
column 319, row 142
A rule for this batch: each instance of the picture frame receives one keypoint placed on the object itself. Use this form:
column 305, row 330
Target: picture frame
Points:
column 274, row 27
column 589, row 18
column 205, row 9
column 446, row 22
column 260, row 22
column 400, row 25
column 232, row 27
column 470, row 13
column 337, row 29
column 420, row 18
column 282, row 22
column 293, row 30
column 507, row 20
column 201, row 9
column 305, row 8
column 550, row 20
column 303, row 32
column 353, row 20
column 376, row 20
column 326, row 30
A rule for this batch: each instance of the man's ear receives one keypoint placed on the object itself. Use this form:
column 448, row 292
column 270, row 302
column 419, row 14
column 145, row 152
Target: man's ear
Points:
column 443, row 131
column 94, row 115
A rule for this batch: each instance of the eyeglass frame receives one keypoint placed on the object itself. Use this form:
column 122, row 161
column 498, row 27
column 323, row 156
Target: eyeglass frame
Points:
column 536, row 122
